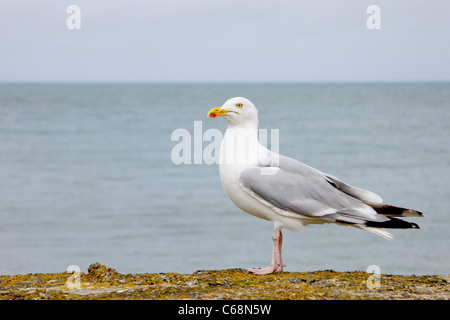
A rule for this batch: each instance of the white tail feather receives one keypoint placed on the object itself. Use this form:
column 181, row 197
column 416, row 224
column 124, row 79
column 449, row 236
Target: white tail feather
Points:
column 379, row 232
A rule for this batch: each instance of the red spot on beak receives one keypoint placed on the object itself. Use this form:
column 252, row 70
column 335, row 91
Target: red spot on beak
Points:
column 213, row 115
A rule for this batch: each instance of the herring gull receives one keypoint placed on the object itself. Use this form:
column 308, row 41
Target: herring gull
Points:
column 290, row 193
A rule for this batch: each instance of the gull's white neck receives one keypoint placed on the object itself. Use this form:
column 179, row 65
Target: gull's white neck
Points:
column 240, row 145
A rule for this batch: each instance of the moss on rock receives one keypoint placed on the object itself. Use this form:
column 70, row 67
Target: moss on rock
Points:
column 101, row 282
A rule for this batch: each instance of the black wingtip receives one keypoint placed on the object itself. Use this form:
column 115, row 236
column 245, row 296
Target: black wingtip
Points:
column 393, row 223
column 393, row 211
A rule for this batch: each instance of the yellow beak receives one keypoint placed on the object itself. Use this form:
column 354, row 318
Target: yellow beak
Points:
column 214, row 112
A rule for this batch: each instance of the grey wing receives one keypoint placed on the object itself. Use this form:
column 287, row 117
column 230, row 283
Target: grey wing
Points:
column 297, row 189
column 365, row 196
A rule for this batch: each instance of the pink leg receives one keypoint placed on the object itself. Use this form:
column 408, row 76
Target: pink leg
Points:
column 277, row 262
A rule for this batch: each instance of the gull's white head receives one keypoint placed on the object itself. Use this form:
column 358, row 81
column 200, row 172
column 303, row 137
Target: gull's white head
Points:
column 237, row 111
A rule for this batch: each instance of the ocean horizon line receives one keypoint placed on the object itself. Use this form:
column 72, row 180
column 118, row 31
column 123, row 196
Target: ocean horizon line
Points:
column 224, row 82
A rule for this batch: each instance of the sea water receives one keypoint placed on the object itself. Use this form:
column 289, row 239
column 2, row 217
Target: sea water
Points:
column 86, row 175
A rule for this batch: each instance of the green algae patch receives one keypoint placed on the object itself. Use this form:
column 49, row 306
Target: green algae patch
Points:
column 105, row 283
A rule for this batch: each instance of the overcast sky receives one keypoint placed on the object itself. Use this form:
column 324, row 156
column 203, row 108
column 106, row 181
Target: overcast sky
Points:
column 224, row 41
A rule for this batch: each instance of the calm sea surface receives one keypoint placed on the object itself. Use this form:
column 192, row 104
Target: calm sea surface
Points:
column 86, row 176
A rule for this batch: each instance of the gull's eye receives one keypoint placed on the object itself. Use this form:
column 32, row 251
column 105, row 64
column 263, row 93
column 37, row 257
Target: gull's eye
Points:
column 239, row 105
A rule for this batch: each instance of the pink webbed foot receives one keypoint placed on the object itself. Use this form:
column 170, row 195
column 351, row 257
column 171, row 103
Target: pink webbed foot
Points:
column 267, row 270
column 277, row 262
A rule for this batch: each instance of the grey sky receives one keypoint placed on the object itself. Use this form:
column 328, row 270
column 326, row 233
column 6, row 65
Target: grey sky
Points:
column 218, row 40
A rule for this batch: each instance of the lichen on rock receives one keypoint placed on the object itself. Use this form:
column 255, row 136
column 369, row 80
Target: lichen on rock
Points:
column 102, row 282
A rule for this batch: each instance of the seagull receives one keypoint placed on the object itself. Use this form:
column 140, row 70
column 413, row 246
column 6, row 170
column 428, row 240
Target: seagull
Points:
column 288, row 192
